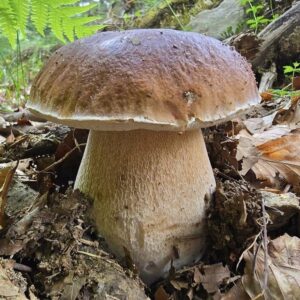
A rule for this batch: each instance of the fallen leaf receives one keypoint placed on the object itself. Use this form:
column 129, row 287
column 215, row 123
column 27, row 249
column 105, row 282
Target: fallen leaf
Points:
column 290, row 113
column 213, row 276
column 271, row 154
column 178, row 285
column 11, row 138
column 9, row 287
column 283, row 270
column 255, row 125
column 161, row 294
column 6, row 175
column 280, row 208
column 266, row 96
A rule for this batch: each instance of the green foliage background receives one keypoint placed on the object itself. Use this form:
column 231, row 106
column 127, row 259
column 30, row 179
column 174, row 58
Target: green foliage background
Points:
column 63, row 17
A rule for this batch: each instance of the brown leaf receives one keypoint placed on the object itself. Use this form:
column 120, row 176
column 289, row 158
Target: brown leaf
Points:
column 9, row 289
column 161, row 294
column 178, row 285
column 270, row 154
column 11, row 138
column 290, row 113
column 283, row 270
column 6, row 175
column 213, row 276
column 266, row 96
column 255, row 125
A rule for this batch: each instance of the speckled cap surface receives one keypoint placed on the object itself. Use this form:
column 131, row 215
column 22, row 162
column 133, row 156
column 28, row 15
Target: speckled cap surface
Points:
column 156, row 79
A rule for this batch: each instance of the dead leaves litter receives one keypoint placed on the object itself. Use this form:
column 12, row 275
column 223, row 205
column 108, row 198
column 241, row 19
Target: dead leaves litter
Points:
column 273, row 155
column 283, row 271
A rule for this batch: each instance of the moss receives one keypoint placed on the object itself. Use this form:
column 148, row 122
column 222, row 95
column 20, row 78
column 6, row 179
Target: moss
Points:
column 161, row 16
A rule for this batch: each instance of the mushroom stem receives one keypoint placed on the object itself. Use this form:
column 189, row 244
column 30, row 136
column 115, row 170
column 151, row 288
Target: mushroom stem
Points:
column 149, row 193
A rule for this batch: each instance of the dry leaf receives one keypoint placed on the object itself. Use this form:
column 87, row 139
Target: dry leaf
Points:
column 6, row 175
column 270, row 154
column 266, row 96
column 213, row 276
column 290, row 113
column 283, row 270
column 255, row 125
column 280, row 208
column 11, row 138
column 178, row 285
column 161, row 294
column 9, row 289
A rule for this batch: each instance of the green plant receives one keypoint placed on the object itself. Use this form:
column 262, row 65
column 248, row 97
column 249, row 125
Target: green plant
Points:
column 63, row 17
column 256, row 20
column 287, row 90
column 292, row 70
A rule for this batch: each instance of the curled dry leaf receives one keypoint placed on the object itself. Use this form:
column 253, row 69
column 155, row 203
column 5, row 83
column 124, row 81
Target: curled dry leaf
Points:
column 283, row 272
column 289, row 114
column 272, row 154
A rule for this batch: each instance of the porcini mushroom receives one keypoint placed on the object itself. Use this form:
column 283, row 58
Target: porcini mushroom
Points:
column 144, row 95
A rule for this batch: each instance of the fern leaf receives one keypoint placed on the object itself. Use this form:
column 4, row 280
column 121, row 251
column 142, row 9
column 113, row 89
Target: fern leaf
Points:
column 55, row 22
column 70, row 11
column 21, row 11
column 68, row 28
column 83, row 31
column 84, row 20
column 58, row 3
column 8, row 22
column 39, row 15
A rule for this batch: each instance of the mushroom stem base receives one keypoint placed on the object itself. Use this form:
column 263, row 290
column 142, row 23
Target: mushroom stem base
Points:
column 149, row 190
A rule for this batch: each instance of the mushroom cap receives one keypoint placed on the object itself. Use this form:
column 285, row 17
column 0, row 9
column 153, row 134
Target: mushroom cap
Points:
column 156, row 79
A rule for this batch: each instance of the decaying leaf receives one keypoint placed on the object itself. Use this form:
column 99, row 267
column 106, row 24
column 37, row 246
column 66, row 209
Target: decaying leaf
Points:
column 6, row 175
column 280, row 208
column 12, row 285
column 161, row 294
column 272, row 154
column 283, row 270
column 255, row 125
column 290, row 113
column 213, row 276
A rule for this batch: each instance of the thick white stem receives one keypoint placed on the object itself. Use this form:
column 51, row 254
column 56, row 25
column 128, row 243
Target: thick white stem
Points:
column 149, row 193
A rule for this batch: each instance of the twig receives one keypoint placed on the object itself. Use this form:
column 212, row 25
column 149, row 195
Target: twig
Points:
column 265, row 245
column 174, row 14
column 63, row 158
column 247, row 249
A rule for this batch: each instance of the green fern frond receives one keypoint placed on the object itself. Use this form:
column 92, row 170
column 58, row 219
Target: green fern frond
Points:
column 39, row 15
column 8, row 22
column 68, row 29
column 70, row 11
column 20, row 9
column 83, row 31
column 58, row 3
column 62, row 17
column 55, row 22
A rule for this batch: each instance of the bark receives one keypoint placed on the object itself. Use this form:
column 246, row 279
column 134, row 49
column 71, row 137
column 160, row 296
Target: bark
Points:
column 280, row 39
column 278, row 43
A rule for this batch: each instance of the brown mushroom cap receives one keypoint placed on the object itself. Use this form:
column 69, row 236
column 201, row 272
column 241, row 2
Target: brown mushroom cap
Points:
column 157, row 79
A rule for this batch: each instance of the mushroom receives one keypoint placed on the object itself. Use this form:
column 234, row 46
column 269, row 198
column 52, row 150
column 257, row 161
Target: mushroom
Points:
column 145, row 95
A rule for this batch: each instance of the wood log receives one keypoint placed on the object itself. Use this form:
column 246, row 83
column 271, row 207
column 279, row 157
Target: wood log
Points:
column 278, row 43
column 280, row 39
